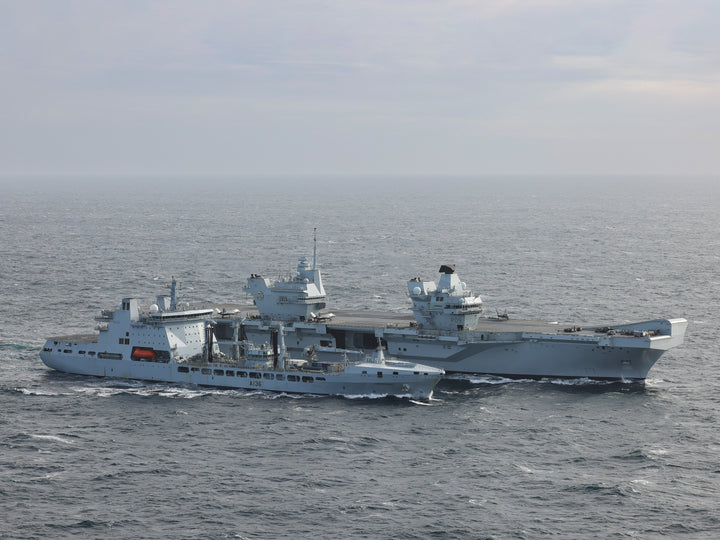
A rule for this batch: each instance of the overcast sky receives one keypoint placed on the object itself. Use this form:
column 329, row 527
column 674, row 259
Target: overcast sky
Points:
column 360, row 87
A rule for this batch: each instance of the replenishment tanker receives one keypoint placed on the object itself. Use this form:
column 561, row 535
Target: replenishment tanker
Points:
column 170, row 342
column 447, row 330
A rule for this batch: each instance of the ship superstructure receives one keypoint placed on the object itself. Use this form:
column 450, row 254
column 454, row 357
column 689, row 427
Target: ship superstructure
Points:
column 298, row 298
column 447, row 305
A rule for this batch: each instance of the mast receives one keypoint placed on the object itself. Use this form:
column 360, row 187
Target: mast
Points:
column 314, row 248
column 173, row 295
column 281, row 348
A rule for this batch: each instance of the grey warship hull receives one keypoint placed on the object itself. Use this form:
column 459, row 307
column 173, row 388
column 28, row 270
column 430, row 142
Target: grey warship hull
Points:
column 398, row 379
column 498, row 347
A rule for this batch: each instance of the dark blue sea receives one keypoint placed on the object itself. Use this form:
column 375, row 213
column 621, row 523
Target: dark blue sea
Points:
column 486, row 458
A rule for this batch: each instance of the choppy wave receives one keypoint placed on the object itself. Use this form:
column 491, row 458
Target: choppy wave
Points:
column 374, row 396
column 39, row 442
column 39, row 392
column 169, row 390
column 18, row 347
column 51, row 438
column 580, row 381
column 173, row 392
column 560, row 381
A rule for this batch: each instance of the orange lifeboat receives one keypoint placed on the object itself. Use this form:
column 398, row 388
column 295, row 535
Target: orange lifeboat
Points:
column 144, row 353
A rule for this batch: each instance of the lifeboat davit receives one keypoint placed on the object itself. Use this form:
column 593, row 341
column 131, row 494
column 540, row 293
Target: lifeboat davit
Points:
column 144, row 353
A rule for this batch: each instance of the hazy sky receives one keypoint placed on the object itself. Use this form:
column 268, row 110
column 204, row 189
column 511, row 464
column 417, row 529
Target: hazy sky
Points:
column 359, row 86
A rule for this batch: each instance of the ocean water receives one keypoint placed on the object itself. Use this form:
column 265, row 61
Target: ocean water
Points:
column 486, row 458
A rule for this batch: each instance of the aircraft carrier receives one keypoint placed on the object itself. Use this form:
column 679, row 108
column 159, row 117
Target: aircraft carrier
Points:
column 446, row 329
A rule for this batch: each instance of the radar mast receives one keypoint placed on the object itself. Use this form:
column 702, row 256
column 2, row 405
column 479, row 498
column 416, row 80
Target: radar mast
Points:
column 315, row 248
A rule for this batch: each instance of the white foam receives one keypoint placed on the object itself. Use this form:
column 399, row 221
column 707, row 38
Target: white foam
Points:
column 36, row 392
column 574, row 382
column 656, row 383
column 485, row 379
column 641, row 481
column 53, row 438
column 422, row 402
column 99, row 391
